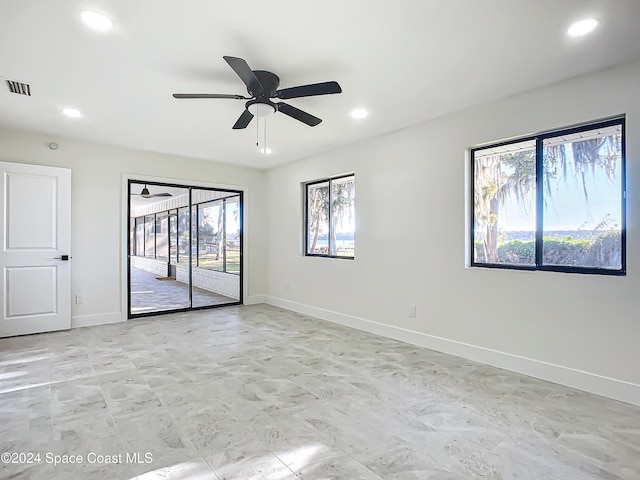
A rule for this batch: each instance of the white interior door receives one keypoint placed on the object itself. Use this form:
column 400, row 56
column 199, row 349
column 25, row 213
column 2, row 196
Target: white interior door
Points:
column 35, row 231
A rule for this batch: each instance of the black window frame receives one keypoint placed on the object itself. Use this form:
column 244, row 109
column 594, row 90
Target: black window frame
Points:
column 330, row 180
column 222, row 201
column 539, row 201
column 195, row 233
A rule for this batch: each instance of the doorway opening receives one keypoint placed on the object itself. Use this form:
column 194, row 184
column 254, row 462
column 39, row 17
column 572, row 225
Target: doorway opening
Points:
column 184, row 248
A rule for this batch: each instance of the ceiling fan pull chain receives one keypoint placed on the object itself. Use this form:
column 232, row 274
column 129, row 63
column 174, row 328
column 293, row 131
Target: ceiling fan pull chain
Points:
column 265, row 136
column 257, row 131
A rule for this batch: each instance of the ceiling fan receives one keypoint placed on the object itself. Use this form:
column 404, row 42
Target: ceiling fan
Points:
column 263, row 86
column 145, row 193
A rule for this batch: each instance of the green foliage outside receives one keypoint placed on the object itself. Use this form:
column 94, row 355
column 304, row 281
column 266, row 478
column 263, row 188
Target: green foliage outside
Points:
column 595, row 252
column 509, row 178
column 209, row 261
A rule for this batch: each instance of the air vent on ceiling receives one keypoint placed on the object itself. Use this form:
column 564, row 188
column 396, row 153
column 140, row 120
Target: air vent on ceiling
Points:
column 19, row 88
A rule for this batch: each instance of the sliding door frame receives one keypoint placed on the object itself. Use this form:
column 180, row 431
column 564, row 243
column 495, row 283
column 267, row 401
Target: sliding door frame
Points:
column 128, row 180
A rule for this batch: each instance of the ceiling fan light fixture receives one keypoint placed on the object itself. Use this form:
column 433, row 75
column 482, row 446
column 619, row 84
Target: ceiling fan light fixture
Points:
column 259, row 109
column 96, row 21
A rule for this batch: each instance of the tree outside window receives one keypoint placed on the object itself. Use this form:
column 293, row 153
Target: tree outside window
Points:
column 552, row 202
column 330, row 217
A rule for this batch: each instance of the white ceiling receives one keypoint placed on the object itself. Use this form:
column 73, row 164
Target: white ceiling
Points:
column 407, row 61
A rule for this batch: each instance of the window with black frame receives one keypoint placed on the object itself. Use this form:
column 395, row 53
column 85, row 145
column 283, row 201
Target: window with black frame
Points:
column 164, row 235
column 553, row 201
column 330, row 217
column 219, row 234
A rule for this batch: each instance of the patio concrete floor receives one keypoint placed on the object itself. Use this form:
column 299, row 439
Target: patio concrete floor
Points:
column 148, row 294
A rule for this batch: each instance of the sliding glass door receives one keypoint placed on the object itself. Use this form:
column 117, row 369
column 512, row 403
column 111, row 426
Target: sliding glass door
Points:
column 185, row 248
column 217, row 245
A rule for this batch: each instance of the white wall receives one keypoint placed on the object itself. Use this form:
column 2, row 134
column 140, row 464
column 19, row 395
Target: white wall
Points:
column 97, row 211
column 410, row 247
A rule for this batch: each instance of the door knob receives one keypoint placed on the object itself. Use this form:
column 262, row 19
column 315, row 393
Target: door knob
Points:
column 62, row 257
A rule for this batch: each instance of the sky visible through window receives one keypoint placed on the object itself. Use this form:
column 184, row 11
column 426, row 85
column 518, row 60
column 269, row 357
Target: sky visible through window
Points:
column 567, row 208
column 580, row 186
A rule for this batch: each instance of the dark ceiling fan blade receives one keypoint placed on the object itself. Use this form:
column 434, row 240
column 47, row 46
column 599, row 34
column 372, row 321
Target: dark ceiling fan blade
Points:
column 245, row 73
column 146, row 194
column 324, row 88
column 152, row 195
column 298, row 114
column 210, row 95
column 244, row 120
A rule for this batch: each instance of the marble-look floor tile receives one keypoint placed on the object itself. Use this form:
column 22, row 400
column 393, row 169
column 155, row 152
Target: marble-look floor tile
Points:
column 316, row 461
column 529, row 457
column 77, row 397
column 109, row 364
column 156, row 436
column 84, row 434
column 195, row 469
column 405, row 463
column 127, row 393
column 260, row 392
column 202, row 426
column 131, row 399
column 30, row 442
column 264, row 466
column 50, row 471
column 159, row 375
column 231, row 446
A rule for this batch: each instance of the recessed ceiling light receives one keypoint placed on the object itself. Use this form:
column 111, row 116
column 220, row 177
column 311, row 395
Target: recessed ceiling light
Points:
column 359, row 113
column 96, row 21
column 265, row 151
column 72, row 112
column 583, row 27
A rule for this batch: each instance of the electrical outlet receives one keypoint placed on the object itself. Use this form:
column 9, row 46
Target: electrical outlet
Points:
column 412, row 311
column 79, row 299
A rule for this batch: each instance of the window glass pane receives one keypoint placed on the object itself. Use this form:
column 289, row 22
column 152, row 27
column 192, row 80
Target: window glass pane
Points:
column 149, row 236
column 140, row 236
column 184, row 239
column 582, row 222
column 194, row 235
column 232, row 237
column 504, row 204
column 173, row 237
column 132, row 236
column 343, row 192
column 318, row 218
column 211, row 224
column 162, row 236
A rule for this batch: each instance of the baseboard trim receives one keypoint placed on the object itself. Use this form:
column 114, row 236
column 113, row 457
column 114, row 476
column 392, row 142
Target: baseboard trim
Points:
column 589, row 382
column 96, row 319
column 255, row 299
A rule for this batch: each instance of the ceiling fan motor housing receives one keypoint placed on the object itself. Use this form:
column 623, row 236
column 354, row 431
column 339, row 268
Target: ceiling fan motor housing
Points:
column 262, row 106
column 269, row 82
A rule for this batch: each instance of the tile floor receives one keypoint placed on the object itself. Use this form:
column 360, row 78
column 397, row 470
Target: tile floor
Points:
column 258, row 392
